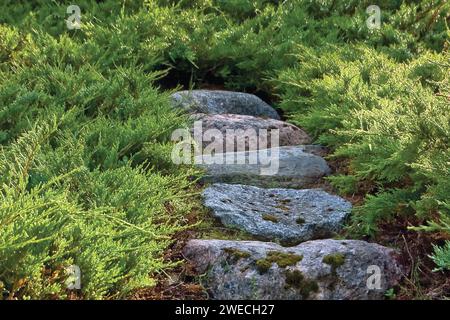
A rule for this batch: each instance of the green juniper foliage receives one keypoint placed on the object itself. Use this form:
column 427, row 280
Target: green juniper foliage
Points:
column 81, row 132
column 85, row 171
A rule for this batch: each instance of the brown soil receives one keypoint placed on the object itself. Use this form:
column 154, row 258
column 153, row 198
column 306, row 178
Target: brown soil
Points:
column 421, row 282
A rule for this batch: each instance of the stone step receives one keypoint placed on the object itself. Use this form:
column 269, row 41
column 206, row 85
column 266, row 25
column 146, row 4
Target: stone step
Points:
column 287, row 216
column 219, row 102
column 248, row 130
column 317, row 270
column 288, row 166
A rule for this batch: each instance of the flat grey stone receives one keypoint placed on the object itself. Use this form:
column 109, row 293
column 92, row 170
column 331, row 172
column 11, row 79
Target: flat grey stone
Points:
column 287, row 216
column 288, row 166
column 219, row 102
column 247, row 131
column 317, row 270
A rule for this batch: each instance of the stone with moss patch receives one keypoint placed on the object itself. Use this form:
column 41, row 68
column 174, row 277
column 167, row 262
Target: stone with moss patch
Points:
column 282, row 207
column 309, row 279
column 236, row 254
column 271, row 218
column 263, row 265
column 282, row 259
column 295, row 279
column 335, row 260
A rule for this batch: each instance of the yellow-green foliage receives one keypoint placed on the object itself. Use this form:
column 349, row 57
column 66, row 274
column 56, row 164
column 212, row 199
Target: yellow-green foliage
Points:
column 112, row 223
column 390, row 119
column 85, row 171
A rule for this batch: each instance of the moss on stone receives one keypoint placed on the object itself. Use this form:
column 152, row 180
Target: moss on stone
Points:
column 282, row 259
column 236, row 254
column 244, row 269
column 295, row 279
column 282, row 207
column 335, row 260
column 300, row 220
column 269, row 217
column 263, row 265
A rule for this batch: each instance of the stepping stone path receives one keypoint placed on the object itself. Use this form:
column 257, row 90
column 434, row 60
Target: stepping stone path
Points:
column 249, row 197
column 288, row 216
